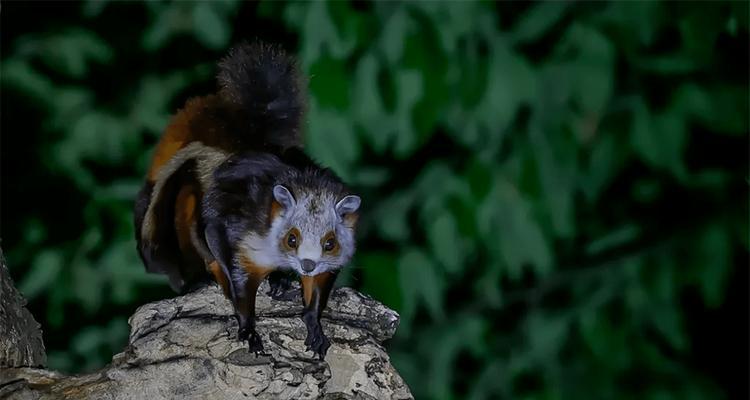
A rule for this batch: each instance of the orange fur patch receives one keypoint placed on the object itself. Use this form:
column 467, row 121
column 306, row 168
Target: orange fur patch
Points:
column 350, row 220
column 164, row 152
column 196, row 122
column 308, row 284
column 312, row 283
column 215, row 269
column 184, row 216
column 275, row 211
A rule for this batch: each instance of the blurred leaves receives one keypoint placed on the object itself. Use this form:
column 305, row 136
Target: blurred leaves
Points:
column 68, row 52
column 420, row 284
column 207, row 21
column 539, row 197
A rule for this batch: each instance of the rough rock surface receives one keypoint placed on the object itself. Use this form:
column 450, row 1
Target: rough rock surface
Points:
column 20, row 335
column 186, row 348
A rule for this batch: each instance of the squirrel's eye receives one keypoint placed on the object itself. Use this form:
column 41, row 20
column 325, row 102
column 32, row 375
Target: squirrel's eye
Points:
column 329, row 244
column 291, row 240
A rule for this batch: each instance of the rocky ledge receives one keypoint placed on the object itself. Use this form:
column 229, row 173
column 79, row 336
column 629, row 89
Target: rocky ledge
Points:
column 186, row 347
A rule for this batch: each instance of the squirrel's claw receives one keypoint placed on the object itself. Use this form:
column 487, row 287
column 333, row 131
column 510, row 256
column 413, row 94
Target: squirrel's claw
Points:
column 253, row 339
column 255, row 343
column 318, row 343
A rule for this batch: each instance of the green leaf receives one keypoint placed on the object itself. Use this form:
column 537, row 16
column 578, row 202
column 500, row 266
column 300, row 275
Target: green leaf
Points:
column 150, row 108
column 510, row 84
column 608, row 343
column 465, row 331
column 637, row 23
column 538, row 20
column 331, row 140
column 45, row 270
column 318, row 32
column 721, row 108
column 169, row 20
column 505, row 217
column 668, row 321
column 699, row 31
column 659, row 279
column 605, row 160
column 556, row 157
column 18, row 73
column 87, row 286
column 490, row 381
column 669, row 64
column 592, row 70
column 71, row 51
column 423, row 105
column 122, row 271
column 391, row 217
column 713, row 262
column 453, row 20
column 34, row 232
column 447, row 245
column 92, row 8
column 87, row 340
column 479, row 176
column 393, row 35
column 410, row 88
column 371, row 176
column 660, row 140
column 68, row 104
column 348, row 21
column 615, row 238
column 546, row 334
column 95, row 136
column 420, row 283
column 209, row 26
column 488, row 286
column 367, row 105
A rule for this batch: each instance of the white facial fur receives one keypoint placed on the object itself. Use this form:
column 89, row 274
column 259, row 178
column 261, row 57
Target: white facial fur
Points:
column 314, row 216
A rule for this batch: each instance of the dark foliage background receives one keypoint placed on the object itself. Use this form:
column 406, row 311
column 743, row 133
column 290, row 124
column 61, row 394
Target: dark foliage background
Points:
column 556, row 194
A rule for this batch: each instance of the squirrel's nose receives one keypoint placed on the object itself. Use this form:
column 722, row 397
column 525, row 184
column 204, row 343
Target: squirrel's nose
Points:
column 308, row 265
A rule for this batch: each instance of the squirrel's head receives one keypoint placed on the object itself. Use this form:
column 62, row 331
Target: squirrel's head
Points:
column 313, row 229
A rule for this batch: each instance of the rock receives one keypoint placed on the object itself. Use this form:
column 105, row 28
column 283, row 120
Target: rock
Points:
column 21, row 342
column 186, row 348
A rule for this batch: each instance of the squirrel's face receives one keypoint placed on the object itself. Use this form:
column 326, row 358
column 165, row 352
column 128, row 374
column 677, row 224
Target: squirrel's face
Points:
column 313, row 232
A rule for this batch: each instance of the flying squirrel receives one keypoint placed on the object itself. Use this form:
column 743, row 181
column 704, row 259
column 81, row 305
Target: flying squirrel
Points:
column 230, row 194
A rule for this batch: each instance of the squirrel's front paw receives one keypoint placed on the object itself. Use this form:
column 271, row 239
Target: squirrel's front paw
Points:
column 318, row 343
column 255, row 342
column 253, row 339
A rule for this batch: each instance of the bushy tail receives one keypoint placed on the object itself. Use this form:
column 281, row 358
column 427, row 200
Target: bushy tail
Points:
column 265, row 83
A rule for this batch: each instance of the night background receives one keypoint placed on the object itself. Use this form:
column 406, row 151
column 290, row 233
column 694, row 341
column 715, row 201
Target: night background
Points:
column 555, row 195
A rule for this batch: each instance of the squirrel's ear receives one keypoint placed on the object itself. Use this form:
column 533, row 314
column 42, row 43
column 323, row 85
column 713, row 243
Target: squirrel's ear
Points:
column 348, row 205
column 284, row 197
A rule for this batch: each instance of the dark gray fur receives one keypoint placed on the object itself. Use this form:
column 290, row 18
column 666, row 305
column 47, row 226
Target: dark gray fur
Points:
column 265, row 84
